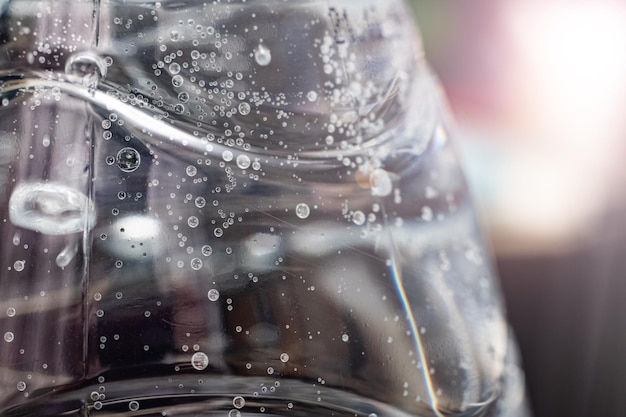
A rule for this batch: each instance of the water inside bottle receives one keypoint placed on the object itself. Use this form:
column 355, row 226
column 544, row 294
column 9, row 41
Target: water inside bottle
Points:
column 237, row 208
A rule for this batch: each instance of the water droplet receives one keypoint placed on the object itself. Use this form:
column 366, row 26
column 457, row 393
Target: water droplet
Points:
column 128, row 159
column 239, row 402
column 358, row 218
column 345, row 337
column 207, row 250
column 199, row 361
column 196, row 264
column 191, row 170
column 213, row 294
column 18, row 266
column 244, row 108
column 243, row 161
column 284, row 357
column 262, row 55
column 311, row 96
column 380, row 181
column 303, row 210
column 8, row 337
column 133, row 406
column 50, row 208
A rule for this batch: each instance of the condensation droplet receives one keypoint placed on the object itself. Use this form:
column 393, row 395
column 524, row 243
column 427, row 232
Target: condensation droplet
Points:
column 244, row 109
column 243, row 161
column 199, row 361
column 262, row 55
column 8, row 337
column 213, row 294
column 303, row 211
column 284, row 357
column 128, row 159
column 239, row 402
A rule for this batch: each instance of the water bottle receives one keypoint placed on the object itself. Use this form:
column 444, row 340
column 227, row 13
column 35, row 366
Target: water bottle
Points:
column 237, row 208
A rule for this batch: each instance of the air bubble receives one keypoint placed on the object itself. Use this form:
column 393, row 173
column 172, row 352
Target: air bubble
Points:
column 18, row 266
column 133, row 406
column 177, row 80
column 174, row 68
column 196, row 264
column 199, row 361
column 234, row 413
column 345, row 337
column 10, row 312
column 191, row 170
column 52, row 209
column 311, row 96
column 239, row 402
column 303, row 211
column 8, row 337
column 243, row 161
column 128, row 159
column 207, row 250
column 213, row 294
column 263, row 55
column 227, row 156
column 193, row 221
column 284, row 357
column 244, row 108
column 183, row 97
column 358, row 218
column 381, row 184
column 218, row 232
column 21, row 386
column 200, row 202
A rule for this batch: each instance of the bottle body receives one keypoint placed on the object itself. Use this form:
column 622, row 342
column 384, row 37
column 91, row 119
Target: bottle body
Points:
column 239, row 207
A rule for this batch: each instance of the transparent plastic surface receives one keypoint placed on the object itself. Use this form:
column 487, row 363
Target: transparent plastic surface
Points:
column 236, row 208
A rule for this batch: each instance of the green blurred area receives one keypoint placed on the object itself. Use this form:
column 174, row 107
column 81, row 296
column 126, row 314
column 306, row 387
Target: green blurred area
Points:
column 435, row 19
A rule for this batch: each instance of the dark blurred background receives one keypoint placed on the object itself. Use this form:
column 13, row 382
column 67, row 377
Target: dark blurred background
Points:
column 538, row 88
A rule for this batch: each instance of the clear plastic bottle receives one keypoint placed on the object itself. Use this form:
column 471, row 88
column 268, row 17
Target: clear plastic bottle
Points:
column 236, row 208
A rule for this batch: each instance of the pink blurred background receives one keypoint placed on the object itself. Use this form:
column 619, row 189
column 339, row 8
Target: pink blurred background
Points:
column 538, row 88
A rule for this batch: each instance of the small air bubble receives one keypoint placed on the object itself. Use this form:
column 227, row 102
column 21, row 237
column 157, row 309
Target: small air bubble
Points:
column 227, row 156
column 234, row 413
column 8, row 337
column 303, row 211
column 345, row 337
column 21, row 386
column 358, row 218
column 243, row 161
column 207, row 250
column 239, row 402
column 196, row 264
column 193, row 222
column 133, row 406
column 244, row 108
column 199, row 361
column 213, row 294
column 128, row 159
column 191, row 170
column 311, row 96
column 200, row 202
column 263, row 55
column 177, row 80
column 284, row 357
column 18, row 266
